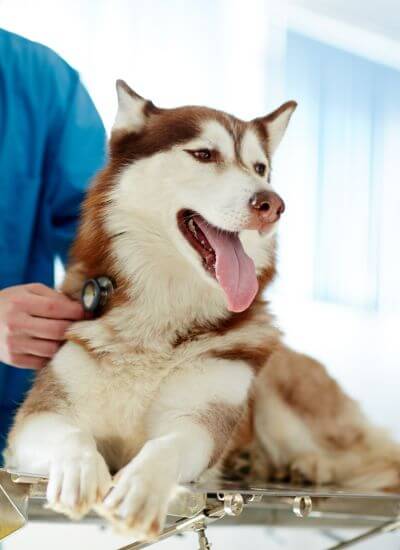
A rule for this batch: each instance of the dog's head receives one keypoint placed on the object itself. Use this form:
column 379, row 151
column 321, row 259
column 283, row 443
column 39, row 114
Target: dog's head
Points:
column 199, row 177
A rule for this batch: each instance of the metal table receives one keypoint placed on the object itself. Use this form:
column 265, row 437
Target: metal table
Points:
column 22, row 497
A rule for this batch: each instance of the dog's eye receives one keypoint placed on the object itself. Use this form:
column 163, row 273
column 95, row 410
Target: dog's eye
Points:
column 204, row 155
column 260, row 168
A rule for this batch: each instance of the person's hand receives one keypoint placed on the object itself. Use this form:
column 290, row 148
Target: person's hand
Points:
column 33, row 321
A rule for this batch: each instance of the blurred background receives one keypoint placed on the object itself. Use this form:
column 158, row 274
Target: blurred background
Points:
column 338, row 169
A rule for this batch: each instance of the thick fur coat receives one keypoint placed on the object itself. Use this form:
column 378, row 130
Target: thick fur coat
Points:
column 185, row 369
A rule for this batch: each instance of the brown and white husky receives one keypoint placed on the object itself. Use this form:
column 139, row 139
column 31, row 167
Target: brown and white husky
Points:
column 183, row 219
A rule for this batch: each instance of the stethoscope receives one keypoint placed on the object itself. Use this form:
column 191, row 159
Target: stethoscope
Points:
column 96, row 293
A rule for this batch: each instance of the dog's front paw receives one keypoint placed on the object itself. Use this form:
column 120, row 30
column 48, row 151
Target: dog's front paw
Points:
column 77, row 482
column 139, row 501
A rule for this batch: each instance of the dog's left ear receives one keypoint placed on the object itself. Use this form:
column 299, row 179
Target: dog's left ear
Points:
column 275, row 124
column 133, row 109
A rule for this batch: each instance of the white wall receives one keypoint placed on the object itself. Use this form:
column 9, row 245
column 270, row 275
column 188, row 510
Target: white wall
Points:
column 174, row 52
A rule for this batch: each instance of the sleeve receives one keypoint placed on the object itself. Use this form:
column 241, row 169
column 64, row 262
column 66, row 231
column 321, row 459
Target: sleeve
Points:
column 76, row 151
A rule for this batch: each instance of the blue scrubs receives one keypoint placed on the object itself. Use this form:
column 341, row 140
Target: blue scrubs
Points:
column 51, row 142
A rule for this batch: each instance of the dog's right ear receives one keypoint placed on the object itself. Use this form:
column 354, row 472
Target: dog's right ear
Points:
column 276, row 123
column 133, row 109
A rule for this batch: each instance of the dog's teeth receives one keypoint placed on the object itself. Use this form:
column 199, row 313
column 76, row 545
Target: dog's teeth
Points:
column 192, row 227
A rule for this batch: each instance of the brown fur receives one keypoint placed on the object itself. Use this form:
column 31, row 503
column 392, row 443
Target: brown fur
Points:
column 351, row 452
column 257, row 313
column 307, row 389
column 90, row 254
column 301, row 388
column 220, row 421
column 46, row 395
column 83, row 343
column 114, row 450
column 243, row 459
column 255, row 356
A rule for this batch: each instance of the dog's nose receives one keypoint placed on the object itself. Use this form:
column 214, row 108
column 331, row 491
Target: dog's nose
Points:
column 268, row 205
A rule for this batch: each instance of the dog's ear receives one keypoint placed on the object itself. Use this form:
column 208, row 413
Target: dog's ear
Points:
column 133, row 109
column 275, row 124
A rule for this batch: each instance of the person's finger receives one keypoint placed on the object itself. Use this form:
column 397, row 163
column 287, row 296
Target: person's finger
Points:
column 35, row 346
column 47, row 329
column 25, row 361
column 54, row 308
column 43, row 290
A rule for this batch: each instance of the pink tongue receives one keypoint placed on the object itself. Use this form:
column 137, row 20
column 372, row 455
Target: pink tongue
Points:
column 234, row 270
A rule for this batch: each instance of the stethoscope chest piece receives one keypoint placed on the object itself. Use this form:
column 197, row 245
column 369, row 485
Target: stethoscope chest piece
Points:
column 95, row 293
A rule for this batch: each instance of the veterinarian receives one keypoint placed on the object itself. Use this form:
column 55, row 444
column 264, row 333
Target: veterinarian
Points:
column 51, row 142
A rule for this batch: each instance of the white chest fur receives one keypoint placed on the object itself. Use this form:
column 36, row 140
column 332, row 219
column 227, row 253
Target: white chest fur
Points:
column 109, row 397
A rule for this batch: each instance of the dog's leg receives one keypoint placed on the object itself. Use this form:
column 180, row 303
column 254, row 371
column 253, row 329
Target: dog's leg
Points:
column 189, row 426
column 307, row 425
column 139, row 501
column 49, row 444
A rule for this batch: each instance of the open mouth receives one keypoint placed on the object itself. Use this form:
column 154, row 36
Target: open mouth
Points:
column 189, row 224
column 223, row 257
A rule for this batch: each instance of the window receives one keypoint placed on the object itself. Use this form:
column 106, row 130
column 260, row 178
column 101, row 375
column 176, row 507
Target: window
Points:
column 342, row 185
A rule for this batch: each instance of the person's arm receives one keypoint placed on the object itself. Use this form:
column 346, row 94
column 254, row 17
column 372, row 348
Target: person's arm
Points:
column 76, row 151
column 33, row 317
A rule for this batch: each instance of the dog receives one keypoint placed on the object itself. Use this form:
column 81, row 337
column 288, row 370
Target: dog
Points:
column 185, row 371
